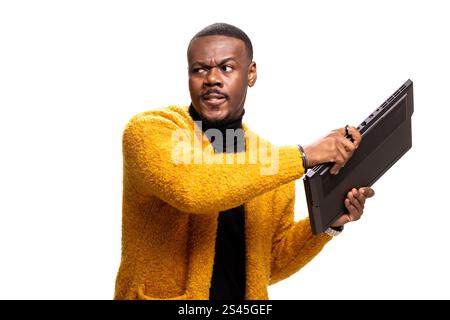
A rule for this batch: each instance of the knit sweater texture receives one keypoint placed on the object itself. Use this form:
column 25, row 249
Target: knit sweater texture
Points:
column 170, row 210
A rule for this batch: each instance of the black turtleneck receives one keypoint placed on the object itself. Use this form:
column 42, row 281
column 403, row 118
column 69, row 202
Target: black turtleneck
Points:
column 228, row 278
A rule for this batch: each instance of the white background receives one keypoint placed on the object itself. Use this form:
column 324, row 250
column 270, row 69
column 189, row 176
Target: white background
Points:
column 73, row 72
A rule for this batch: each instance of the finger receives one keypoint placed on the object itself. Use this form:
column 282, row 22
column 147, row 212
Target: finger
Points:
column 346, row 149
column 335, row 168
column 348, row 204
column 354, row 201
column 360, row 197
column 367, row 191
column 342, row 155
column 339, row 159
column 343, row 219
column 353, row 213
column 348, row 145
column 356, row 135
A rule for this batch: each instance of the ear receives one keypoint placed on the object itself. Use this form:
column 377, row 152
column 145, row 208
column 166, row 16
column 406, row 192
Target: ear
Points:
column 252, row 74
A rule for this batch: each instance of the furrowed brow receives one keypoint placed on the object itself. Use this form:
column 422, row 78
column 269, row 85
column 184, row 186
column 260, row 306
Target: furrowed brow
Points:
column 206, row 65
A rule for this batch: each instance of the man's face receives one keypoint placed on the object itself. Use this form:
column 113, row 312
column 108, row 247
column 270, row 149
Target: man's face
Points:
column 219, row 73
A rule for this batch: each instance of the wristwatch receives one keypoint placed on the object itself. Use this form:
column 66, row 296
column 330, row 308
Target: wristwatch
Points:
column 334, row 231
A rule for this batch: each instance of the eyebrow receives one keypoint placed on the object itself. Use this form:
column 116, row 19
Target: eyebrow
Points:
column 203, row 64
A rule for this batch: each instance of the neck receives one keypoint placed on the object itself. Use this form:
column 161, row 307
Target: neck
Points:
column 237, row 141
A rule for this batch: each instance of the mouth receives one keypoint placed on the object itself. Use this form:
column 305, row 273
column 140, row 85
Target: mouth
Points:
column 214, row 99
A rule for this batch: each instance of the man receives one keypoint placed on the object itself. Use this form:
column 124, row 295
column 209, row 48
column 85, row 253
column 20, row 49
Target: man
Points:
column 201, row 218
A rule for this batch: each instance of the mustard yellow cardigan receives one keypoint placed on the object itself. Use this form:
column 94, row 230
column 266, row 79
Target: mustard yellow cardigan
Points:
column 170, row 213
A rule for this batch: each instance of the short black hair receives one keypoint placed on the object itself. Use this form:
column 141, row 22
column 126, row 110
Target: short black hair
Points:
column 228, row 30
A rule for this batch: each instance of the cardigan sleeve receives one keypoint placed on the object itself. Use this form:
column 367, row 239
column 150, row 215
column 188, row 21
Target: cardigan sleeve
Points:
column 293, row 244
column 149, row 167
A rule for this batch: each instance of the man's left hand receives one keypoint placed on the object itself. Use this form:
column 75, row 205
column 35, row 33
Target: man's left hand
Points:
column 354, row 203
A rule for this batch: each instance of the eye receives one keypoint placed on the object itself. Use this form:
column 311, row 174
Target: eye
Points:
column 198, row 70
column 226, row 68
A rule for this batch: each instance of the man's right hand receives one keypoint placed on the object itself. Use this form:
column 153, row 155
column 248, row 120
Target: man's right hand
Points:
column 334, row 147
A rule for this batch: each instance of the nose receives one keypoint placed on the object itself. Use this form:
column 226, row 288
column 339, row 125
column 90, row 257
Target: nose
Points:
column 213, row 78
